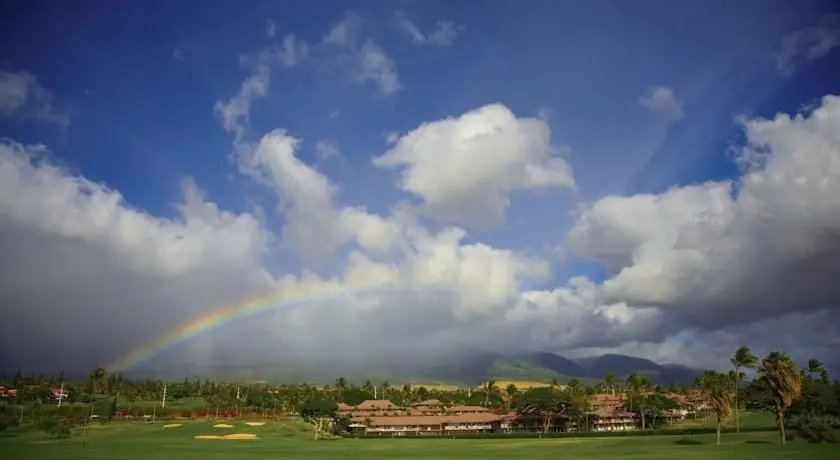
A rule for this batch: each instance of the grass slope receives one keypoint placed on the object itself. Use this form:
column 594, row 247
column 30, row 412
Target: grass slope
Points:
column 140, row 441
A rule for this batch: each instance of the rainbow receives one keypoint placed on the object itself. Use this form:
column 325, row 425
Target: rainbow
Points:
column 250, row 307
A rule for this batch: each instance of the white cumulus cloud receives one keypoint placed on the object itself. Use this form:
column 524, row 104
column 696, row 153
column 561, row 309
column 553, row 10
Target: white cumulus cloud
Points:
column 465, row 168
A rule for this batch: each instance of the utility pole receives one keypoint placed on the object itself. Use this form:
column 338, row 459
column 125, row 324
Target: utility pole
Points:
column 60, row 395
column 163, row 403
column 374, row 392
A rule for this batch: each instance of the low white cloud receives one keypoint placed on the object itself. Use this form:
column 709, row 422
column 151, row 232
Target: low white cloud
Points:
column 21, row 95
column 692, row 271
column 443, row 34
column 105, row 273
column 363, row 60
column 808, row 44
column 234, row 112
column 662, row 100
column 725, row 253
column 465, row 168
column 327, row 149
column 270, row 28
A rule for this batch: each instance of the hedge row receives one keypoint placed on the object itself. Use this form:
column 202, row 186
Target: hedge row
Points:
column 581, row 434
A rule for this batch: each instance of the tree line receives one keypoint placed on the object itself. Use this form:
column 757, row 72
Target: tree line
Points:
column 801, row 398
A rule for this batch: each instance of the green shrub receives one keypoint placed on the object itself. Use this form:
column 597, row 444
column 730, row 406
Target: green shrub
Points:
column 54, row 428
column 580, row 434
column 818, row 431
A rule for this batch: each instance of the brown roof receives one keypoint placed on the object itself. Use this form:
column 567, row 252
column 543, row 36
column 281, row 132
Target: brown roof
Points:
column 604, row 399
column 384, row 413
column 428, row 402
column 377, row 404
column 467, row 409
column 345, row 407
column 603, row 412
column 433, row 420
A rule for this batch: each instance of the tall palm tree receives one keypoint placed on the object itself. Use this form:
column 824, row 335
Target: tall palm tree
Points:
column 511, row 392
column 743, row 359
column 716, row 388
column 340, row 385
column 778, row 372
column 816, row 367
column 489, row 387
column 406, row 394
column 632, row 384
column 644, row 387
column 98, row 379
column 609, row 382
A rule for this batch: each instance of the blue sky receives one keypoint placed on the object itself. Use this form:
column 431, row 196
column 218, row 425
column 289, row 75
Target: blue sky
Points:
column 139, row 80
column 115, row 66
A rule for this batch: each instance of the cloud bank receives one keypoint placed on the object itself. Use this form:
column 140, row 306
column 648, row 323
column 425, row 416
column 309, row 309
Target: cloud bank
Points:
column 692, row 272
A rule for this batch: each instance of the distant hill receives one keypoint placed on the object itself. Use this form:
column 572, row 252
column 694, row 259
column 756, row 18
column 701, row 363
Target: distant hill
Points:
column 560, row 365
column 621, row 366
column 461, row 367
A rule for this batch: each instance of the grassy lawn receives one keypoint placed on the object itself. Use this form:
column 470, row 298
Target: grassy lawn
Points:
column 747, row 419
column 142, row 441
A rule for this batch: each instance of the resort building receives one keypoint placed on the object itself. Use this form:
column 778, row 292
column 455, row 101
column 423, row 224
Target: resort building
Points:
column 424, row 418
column 608, row 413
column 432, row 417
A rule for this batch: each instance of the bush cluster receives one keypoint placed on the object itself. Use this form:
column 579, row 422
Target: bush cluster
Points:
column 54, row 428
column 818, row 431
column 580, row 434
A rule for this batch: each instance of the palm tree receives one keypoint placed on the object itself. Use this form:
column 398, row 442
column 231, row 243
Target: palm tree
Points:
column 511, row 391
column 340, row 385
column 716, row 387
column 816, row 367
column 743, row 359
column 778, row 372
column 406, row 394
column 643, row 386
column 97, row 379
column 489, row 387
column 609, row 382
column 632, row 384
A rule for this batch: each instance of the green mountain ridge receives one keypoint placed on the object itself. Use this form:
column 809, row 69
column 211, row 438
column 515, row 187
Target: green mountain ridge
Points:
column 467, row 368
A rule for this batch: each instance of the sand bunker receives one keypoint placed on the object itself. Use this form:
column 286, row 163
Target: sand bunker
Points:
column 222, row 425
column 255, row 423
column 234, row 437
column 173, row 425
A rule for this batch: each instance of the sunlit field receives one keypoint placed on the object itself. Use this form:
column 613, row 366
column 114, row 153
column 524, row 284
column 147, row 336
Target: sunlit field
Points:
column 520, row 384
column 282, row 440
column 523, row 384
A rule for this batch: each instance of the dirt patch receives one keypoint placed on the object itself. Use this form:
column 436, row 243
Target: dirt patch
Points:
column 518, row 444
column 240, row 436
column 173, row 425
column 255, row 423
column 231, row 437
column 222, row 425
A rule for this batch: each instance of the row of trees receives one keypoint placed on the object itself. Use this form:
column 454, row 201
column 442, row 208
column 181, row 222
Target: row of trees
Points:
column 779, row 387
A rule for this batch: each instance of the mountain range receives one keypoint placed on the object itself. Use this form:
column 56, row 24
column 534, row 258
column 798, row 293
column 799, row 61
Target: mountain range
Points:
column 462, row 367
